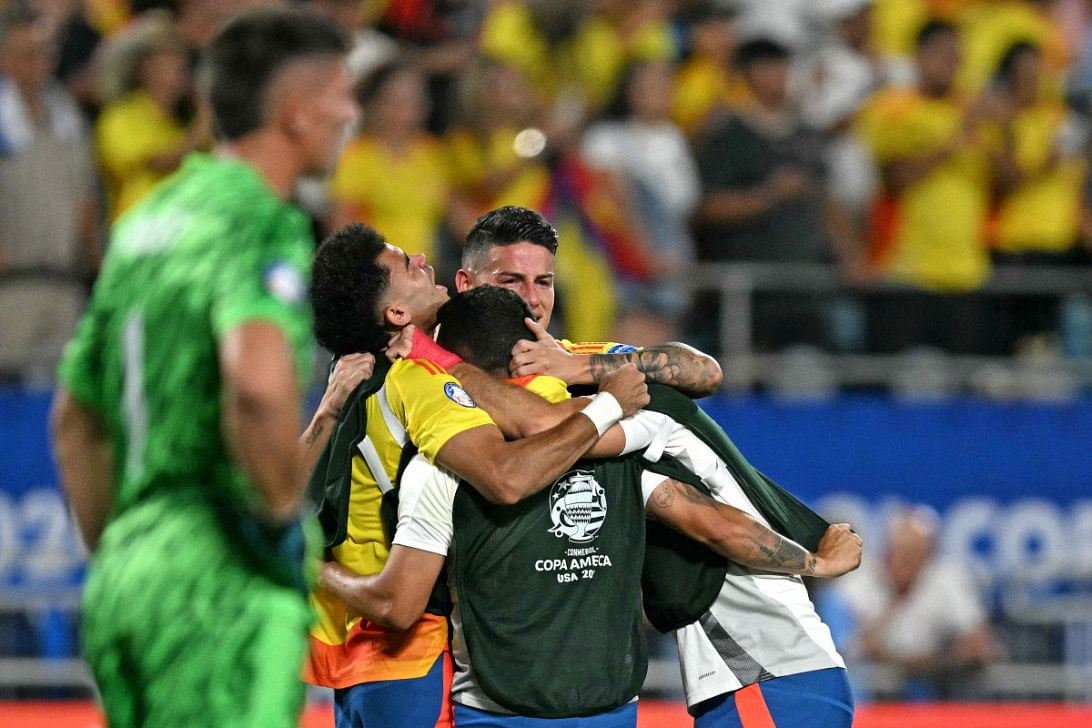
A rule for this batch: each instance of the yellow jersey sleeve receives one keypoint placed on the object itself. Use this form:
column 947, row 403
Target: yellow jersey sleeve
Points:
column 431, row 404
column 595, row 347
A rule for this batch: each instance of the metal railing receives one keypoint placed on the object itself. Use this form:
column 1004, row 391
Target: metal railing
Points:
column 736, row 284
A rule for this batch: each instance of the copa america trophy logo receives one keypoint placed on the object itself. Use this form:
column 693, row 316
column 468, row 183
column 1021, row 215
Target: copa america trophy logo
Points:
column 578, row 506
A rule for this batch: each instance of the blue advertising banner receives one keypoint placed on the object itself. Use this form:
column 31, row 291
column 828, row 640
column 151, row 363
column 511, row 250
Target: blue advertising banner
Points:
column 39, row 548
column 1010, row 481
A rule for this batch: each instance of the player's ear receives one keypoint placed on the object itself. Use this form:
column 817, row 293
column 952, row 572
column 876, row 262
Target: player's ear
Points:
column 397, row 316
column 462, row 280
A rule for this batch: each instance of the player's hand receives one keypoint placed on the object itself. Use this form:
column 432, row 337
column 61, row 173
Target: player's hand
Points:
column 628, row 387
column 349, row 371
column 541, row 356
column 839, row 551
column 401, row 343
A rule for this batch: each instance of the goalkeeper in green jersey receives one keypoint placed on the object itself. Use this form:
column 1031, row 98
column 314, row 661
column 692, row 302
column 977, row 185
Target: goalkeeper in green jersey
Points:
column 175, row 422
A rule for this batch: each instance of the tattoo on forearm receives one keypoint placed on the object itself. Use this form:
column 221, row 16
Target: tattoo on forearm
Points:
column 779, row 553
column 314, row 436
column 675, row 365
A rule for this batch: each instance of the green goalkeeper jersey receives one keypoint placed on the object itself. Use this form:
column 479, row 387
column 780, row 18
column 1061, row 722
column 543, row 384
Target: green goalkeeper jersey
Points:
column 209, row 249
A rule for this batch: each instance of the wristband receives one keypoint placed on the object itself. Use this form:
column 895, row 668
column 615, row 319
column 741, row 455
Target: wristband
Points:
column 603, row 411
column 423, row 347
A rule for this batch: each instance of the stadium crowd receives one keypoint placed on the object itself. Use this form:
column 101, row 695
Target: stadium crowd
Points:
column 917, row 141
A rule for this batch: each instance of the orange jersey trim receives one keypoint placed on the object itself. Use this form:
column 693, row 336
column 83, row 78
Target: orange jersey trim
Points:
column 372, row 653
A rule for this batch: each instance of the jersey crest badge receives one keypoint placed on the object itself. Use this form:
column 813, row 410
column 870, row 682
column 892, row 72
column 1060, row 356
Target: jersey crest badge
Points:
column 578, row 506
column 285, row 283
column 458, row 395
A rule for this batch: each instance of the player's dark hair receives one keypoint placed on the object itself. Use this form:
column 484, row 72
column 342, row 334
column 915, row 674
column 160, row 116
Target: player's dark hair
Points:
column 482, row 325
column 932, row 30
column 761, row 50
column 347, row 283
column 1006, row 67
column 247, row 54
column 506, row 226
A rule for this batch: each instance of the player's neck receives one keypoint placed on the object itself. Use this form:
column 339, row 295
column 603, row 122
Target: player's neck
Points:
column 271, row 156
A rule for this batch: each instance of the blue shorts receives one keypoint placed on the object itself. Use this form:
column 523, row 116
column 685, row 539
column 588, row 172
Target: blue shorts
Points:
column 816, row 699
column 422, row 702
column 623, row 717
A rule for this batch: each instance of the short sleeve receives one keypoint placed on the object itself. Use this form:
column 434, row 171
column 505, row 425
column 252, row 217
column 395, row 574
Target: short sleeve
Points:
column 432, row 405
column 80, row 369
column 270, row 282
column 650, row 481
column 425, row 497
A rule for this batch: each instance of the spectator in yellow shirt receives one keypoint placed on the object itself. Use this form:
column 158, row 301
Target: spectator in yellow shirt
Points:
column 934, row 159
column 1042, row 172
column 990, row 28
column 395, row 175
column 1042, row 168
column 140, row 135
column 708, row 82
column 572, row 52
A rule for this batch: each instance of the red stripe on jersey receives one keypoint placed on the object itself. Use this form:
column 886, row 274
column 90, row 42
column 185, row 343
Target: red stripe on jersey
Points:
column 430, row 366
column 752, row 709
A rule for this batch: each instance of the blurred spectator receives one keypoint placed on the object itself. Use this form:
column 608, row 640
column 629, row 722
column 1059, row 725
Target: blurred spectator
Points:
column 895, row 25
column 919, row 612
column 708, row 83
column 371, row 48
column 573, row 52
column 934, row 155
column 504, row 153
column 833, row 84
column 498, row 146
column 394, row 176
column 989, row 29
column 47, row 199
column 786, row 21
column 764, row 196
column 1042, row 168
column 140, row 135
column 650, row 156
column 442, row 37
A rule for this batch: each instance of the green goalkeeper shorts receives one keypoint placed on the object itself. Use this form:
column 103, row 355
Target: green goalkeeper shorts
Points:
column 180, row 631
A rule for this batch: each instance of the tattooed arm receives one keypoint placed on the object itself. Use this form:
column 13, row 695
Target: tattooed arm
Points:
column 737, row 536
column 676, row 365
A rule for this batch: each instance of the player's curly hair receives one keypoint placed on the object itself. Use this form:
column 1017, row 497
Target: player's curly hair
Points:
column 482, row 325
column 347, row 283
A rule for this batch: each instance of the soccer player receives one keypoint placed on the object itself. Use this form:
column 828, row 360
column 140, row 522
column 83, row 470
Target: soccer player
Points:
column 363, row 290
column 175, row 421
column 514, row 247
column 572, row 622
column 730, row 668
